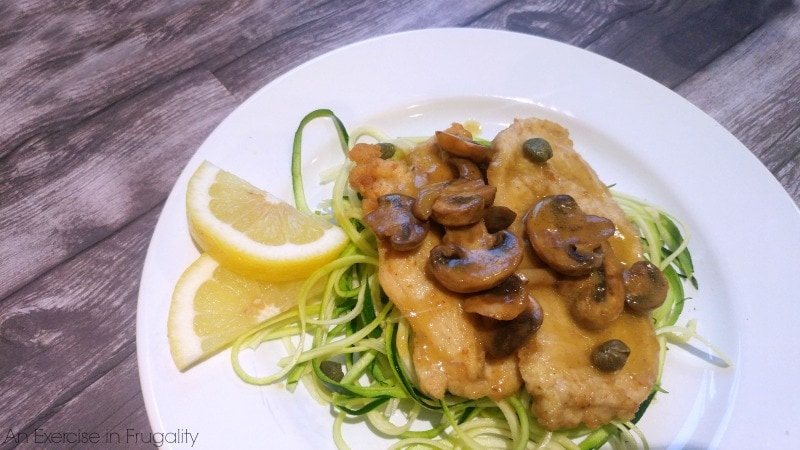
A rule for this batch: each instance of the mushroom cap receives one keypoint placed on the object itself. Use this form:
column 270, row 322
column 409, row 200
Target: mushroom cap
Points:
column 498, row 218
column 394, row 221
column 510, row 335
column 427, row 194
column 646, row 287
column 462, row 202
column 464, row 147
column 505, row 301
column 564, row 237
column 454, row 203
column 598, row 298
column 466, row 169
column 476, row 264
column 456, row 210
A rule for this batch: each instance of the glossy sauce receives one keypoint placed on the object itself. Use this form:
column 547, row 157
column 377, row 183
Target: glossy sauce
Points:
column 554, row 365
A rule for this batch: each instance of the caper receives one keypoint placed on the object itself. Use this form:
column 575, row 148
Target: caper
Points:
column 611, row 355
column 537, row 150
column 332, row 370
column 387, row 150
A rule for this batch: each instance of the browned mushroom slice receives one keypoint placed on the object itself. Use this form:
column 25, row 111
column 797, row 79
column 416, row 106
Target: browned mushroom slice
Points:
column 464, row 147
column 455, row 202
column 498, row 218
column 393, row 220
column 505, row 301
column 462, row 202
column 598, row 298
column 478, row 187
column 456, row 210
column 510, row 335
column 466, row 169
column 425, row 198
column 564, row 237
column 469, row 259
column 645, row 287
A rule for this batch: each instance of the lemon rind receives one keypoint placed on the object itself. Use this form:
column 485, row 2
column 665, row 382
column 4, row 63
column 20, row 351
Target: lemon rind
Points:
column 185, row 345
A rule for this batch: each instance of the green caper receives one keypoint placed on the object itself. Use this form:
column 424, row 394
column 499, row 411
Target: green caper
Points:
column 332, row 370
column 611, row 355
column 537, row 150
column 387, row 150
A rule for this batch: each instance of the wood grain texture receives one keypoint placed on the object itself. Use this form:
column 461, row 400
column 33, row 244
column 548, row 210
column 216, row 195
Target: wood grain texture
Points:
column 665, row 40
column 754, row 92
column 118, row 394
column 65, row 61
column 67, row 329
column 275, row 57
column 103, row 102
column 100, row 175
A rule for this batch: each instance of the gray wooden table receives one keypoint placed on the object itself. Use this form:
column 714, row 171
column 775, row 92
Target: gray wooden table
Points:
column 102, row 104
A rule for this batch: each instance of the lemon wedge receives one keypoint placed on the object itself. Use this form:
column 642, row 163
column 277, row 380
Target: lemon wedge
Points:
column 252, row 232
column 212, row 306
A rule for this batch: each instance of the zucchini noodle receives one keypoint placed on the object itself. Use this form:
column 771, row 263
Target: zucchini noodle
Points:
column 350, row 348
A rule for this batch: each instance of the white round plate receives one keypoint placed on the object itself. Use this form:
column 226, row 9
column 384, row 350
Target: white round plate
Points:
column 636, row 134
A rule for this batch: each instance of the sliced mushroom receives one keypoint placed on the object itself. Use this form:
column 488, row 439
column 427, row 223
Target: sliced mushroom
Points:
column 505, row 301
column 393, row 220
column 466, row 169
column 425, row 198
column 498, row 218
column 464, row 147
column 469, row 259
column 598, row 298
column 462, row 202
column 479, row 187
column 645, row 287
column 508, row 336
column 564, row 237
column 455, row 202
column 457, row 210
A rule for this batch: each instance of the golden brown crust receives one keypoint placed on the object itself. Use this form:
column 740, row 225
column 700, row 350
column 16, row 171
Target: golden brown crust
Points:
column 555, row 364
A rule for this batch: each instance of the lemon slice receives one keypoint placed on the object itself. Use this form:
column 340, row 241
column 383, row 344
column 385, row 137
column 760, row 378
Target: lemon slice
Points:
column 252, row 232
column 212, row 306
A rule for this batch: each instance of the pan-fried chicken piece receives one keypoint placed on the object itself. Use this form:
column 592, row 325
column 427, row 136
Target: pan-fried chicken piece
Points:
column 521, row 183
column 448, row 353
column 556, row 365
column 566, row 389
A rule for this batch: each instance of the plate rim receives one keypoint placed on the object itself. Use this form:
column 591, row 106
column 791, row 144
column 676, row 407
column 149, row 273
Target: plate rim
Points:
column 747, row 156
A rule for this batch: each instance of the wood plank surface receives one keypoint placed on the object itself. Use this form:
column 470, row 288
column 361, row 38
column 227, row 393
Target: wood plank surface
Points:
column 123, row 425
column 65, row 61
column 275, row 57
column 61, row 334
column 754, row 92
column 103, row 103
column 665, row 40
column 101, row 175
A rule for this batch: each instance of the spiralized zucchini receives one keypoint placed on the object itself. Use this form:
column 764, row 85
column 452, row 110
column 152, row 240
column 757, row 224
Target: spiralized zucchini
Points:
column 350, row 347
